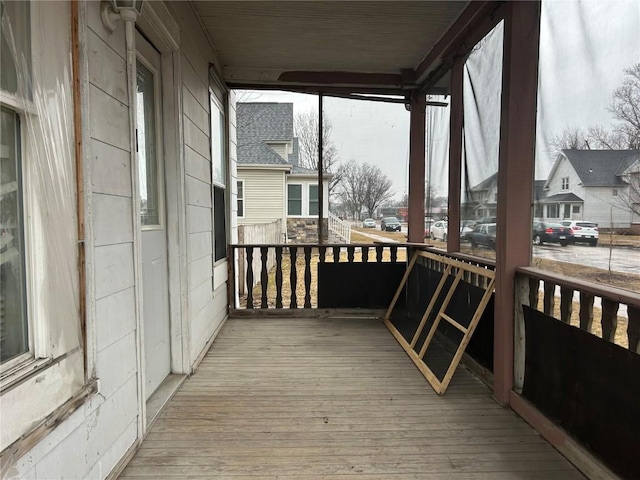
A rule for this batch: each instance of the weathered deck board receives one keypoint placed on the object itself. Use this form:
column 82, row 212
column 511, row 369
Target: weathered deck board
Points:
column 334, row 399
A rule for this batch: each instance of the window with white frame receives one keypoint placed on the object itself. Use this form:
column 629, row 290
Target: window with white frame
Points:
column 614, row 192
column 219, row 175
column 240, row 198
column 565, row 183
column 313, row 200
column 39, row 278
column 576, row 209
column 294, row 199
column 16, row 44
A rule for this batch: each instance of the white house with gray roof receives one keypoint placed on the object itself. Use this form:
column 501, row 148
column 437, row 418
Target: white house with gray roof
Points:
column 596, row 185
column 271, row 183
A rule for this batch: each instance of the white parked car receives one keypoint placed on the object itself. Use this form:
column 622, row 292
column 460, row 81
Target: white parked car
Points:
column 583, row 231
column 439, row 231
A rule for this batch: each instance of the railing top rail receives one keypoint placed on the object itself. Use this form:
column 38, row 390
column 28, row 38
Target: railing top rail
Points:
column 324, row 245
column 485, row 262
column 612, row 293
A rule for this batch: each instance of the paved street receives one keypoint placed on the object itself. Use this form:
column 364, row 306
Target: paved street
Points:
column 625, row 260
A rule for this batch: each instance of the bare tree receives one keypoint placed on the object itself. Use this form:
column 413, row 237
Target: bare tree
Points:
column 307, row 131
column 351, row 189
column 623, row 135
column 625, row 107
column 364, row 186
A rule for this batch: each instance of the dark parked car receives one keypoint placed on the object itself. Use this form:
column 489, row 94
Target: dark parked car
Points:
column 551, row 233
column 390, row 224
column 484, row 234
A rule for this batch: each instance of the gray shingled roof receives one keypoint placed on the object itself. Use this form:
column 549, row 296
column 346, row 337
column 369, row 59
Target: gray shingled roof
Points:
column 562, row 197
column 258, row 123
column 601, row 167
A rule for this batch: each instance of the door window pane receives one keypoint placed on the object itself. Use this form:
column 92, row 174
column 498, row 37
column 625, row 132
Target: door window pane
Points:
column 294, row 196
column 147, row 147
column 313, row 200
column 14, row 338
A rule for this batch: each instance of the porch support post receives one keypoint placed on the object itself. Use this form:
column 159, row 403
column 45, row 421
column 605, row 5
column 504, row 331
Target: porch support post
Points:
column 456, row 122
column 416, row 169
column 320, row 176
column 516, row 173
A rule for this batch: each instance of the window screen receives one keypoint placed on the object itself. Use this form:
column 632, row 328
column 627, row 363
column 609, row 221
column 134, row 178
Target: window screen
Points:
column 220, row 226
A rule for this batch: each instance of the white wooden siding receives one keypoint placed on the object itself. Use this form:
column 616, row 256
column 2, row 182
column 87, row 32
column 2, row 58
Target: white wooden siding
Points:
column 97, row 435
column 601, row 206
column 264, row 196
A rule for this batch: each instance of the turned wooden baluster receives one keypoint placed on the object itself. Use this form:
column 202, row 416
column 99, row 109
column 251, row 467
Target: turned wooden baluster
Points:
column 264, row 277
column 336, row 254
column 586, row 311
column 307, row 277
column 293, row 277
column 394, row 253
column 566, row 304
column 278, row 277
column 350, row 254
column 609, row 319
column 249, row 277
column 379, row 250
column 549, row 298
column 365, row 254
column 534, row 287
column 633, row 329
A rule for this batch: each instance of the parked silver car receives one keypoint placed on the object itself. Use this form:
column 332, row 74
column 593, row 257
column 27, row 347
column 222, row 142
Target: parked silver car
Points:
column 583, row 231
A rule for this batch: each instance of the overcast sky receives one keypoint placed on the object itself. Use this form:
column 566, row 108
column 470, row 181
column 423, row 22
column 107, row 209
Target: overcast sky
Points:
column 584, row 48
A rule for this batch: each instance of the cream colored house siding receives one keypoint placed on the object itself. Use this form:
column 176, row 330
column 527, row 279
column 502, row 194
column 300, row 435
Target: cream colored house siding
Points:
column 281, row 149
column 264, row 195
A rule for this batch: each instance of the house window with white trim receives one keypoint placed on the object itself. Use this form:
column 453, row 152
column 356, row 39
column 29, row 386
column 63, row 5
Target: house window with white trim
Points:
column 294, row 199
column 219, row 176
column 565, row 183
column 313, row 200
column 614, row 192
column 42, row 356
column 240, row 198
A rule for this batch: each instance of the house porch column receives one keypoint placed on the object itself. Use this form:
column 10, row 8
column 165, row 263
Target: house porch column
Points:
column 516, row 174
column 416, row 169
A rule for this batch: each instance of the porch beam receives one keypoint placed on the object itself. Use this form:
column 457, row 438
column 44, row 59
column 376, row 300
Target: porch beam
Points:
column 456, row 122
column 474, row 23
column 516, row 172
column 416, row 169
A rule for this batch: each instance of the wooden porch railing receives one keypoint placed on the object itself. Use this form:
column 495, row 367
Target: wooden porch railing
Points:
column 614, row 310
column 291, row 282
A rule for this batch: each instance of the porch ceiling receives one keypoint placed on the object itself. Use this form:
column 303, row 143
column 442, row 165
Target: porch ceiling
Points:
column 362, row 45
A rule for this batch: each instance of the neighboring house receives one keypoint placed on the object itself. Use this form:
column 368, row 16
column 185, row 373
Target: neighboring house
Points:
column 271, row 183
column 482, row 199
column 595, row 185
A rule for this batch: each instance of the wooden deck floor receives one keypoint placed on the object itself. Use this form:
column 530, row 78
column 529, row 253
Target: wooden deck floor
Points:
column 334, row 399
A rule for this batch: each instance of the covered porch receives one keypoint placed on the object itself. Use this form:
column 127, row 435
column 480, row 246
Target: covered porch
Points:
column 303, row 397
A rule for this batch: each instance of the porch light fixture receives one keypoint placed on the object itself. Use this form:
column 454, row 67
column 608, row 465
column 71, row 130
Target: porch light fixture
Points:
column 112, row 10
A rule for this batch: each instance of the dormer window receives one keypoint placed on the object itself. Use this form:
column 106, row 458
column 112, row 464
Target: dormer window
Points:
column 565, row 183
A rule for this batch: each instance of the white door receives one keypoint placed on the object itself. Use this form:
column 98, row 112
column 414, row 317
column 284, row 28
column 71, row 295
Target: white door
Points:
column 155, row 286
